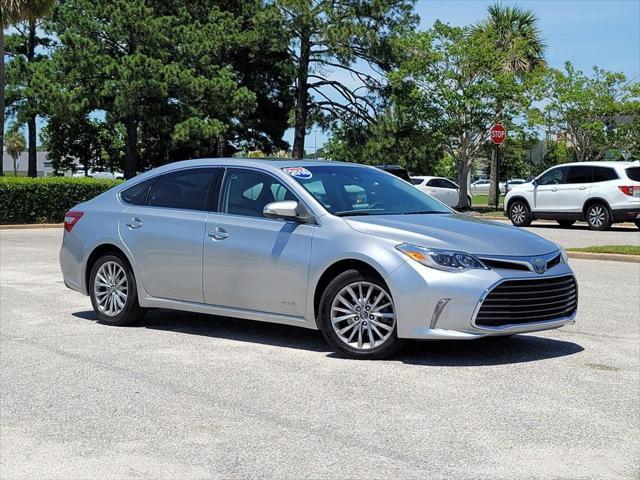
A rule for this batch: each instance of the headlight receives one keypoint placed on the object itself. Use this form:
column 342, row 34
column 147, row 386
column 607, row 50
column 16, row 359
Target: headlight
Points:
column 445, row 260
column 563, row 253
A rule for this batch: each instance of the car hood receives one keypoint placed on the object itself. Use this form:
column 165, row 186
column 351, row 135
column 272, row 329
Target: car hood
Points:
column 455, row 232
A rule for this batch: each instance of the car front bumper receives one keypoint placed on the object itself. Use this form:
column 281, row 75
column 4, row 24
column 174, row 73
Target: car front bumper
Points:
column 433, row 305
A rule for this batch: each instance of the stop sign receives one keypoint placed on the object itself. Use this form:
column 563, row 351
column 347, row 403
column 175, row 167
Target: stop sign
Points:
column 498, row 134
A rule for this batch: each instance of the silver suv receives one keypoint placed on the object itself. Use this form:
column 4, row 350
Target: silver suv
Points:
column 351, row 250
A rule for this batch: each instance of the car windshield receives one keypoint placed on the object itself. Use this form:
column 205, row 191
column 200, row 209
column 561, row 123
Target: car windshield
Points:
column 346, row 190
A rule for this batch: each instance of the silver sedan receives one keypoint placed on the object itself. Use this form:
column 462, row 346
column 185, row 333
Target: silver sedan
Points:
column 347, row 249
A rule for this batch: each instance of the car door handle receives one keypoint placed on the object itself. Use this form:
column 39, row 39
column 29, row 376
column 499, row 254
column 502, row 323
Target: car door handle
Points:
column 583, row 188
column 134, row 223
column 554, row 189
column 218, row 233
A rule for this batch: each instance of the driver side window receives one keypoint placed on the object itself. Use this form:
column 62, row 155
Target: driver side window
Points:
column 553, row 177
column 247, row 192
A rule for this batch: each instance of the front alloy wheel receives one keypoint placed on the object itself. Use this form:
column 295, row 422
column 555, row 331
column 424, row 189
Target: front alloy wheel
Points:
column 362, row 315
column 519, row 214
column 358, row 316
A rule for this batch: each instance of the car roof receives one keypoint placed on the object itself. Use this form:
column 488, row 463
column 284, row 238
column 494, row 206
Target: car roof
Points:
column 600, row 164
column 268, row 164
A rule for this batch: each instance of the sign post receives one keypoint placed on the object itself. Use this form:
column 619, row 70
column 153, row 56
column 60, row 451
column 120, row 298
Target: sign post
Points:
column 498, row 135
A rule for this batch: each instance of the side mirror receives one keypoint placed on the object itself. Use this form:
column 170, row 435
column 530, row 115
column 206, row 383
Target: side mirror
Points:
column 287, row 210
column 535, row 182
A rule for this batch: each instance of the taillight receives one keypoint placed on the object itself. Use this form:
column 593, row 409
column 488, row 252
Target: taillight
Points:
column 628, row 190
column 70, row 219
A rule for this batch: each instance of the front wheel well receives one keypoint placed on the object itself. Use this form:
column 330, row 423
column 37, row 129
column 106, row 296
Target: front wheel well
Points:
column 513, row 199
column 336, row 269
column 99, row 251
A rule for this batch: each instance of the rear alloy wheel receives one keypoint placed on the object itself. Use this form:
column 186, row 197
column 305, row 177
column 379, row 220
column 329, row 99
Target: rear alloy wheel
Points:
column 358, row 317
column 598, row 217
column 566, row 223
column 520, row 214
column 113, row 292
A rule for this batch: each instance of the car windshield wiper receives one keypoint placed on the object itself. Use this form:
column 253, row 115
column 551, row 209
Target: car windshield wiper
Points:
column 418, row 212
column 353, row 213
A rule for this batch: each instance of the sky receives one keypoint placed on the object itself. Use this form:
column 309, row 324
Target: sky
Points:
column 605, row 33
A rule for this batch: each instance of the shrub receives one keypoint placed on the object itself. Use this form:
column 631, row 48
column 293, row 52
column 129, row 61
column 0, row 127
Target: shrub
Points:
column 45, row 200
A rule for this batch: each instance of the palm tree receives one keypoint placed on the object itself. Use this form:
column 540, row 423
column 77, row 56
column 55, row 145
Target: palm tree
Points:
column 515, row 33
column 29, row 11
column 8, row 14
column 15, row 145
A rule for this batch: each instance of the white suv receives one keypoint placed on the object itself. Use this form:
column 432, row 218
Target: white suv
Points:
column 600, row 193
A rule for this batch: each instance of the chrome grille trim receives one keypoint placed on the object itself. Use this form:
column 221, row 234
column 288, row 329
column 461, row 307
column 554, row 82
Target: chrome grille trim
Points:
column 520, row 263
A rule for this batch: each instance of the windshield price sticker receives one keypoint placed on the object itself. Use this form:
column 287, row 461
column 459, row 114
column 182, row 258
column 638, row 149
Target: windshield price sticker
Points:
column 298, row 172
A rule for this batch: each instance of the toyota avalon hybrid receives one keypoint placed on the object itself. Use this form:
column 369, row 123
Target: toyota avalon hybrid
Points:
column 347, row 249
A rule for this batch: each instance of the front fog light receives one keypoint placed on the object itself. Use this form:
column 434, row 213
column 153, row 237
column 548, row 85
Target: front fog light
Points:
column 563, row 253
column 448, row 261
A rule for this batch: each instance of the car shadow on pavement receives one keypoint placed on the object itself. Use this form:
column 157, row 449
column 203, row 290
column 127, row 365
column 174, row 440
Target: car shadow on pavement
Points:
column 486, row 351
column 227, row 328
column 446, row 353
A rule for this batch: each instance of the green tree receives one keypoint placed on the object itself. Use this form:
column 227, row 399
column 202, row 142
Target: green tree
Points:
column 74, row 139
column 15, row 144
column 456, row 82
column 394, row 137
column 513, row 32
column 26, row 15
column 598, row 114
column 175, row 99
column 328, row 38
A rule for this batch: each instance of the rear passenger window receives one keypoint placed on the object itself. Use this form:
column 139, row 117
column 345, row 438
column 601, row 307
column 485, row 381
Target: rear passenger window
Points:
column 604, row 174
column 634, row 173
column 137, row 195
column 186, row 189
column 579, row 174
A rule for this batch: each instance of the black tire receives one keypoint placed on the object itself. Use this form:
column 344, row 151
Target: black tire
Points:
column 388, row 348
column 598, row 217
column 520, row 214
column 566, row 223
column 132, row 312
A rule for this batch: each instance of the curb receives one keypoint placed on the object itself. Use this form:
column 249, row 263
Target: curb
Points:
column 549, row 222
column 30, row 226
column 616, row 257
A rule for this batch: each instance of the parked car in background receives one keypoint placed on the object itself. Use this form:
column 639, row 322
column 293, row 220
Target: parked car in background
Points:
column 481, row 187
column 396, row 170
column 441, row 188
column 99, row 174
column 509, row 184
column 363, row 256
column 600, row 193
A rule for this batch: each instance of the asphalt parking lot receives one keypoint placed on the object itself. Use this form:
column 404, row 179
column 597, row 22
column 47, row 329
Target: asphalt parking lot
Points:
column 189, row 396
column 579, row 234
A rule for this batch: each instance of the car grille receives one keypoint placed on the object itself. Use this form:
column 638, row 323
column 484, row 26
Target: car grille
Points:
column 515, row 302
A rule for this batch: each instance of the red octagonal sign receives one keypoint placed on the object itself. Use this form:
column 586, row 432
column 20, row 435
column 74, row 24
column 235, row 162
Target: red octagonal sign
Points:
column 498, row 134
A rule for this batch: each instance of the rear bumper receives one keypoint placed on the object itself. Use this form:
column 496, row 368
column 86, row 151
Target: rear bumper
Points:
column 628, row 214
